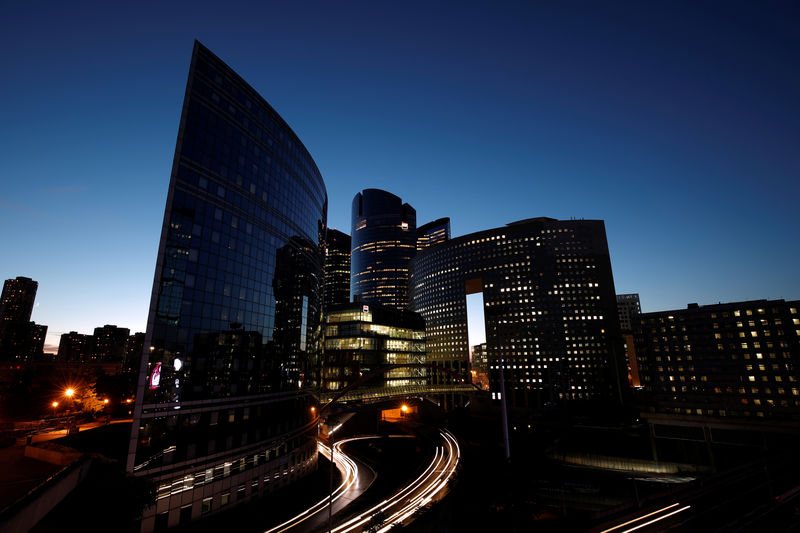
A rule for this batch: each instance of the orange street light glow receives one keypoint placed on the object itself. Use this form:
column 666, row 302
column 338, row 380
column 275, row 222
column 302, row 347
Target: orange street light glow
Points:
column 404, row 408
column 69, row 393
column 54, row 404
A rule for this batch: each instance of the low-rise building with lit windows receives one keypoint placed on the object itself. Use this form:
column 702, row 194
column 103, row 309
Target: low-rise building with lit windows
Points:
column 361, row 338
column 733, row 360
column 549, row 309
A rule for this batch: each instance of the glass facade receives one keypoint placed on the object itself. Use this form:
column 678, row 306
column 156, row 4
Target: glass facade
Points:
column 549, row 309
column 361, row 338
column 234, row 329
column 384, row 240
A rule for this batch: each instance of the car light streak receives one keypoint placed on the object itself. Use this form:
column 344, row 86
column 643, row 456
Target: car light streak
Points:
column 629, row 522
column 349, row 476
column 420, row 491
column 662, row 517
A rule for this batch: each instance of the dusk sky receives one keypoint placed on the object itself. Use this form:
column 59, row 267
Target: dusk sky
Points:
column 678, row 123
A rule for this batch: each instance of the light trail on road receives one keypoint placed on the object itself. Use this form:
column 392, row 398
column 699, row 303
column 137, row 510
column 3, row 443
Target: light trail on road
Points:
column 349, row 471
column 658, row 518
column 406, row 501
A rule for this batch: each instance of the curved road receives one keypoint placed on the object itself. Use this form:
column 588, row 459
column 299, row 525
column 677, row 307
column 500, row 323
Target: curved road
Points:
column 399, row 508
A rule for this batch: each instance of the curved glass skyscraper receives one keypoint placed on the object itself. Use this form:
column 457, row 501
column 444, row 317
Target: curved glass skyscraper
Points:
column 233, row 334
column 384, row 240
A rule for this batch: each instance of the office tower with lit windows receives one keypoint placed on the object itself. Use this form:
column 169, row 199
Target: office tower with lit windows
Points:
column 361, row 338
column 337, row 268
column 384, row 240
column 222, row 413
column 549, row 309
column 629, row 309
column 432, row 233
column 733, row 360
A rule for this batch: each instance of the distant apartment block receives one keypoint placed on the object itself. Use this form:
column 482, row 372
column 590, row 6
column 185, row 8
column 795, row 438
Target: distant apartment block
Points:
column 739, row 359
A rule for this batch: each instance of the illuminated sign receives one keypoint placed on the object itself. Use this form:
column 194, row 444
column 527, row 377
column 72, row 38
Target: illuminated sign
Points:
column 366, row 309
column 155, row 377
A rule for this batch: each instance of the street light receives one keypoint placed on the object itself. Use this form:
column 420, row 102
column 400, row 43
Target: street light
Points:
column 69, row 393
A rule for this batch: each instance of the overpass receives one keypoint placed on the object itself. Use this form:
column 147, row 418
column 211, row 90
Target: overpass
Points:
column 355, row 391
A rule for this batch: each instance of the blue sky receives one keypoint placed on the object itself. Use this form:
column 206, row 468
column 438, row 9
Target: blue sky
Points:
column 677, row 123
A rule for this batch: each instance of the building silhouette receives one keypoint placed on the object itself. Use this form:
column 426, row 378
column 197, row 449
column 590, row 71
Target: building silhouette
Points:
column 222, row 415
column 337, row 267
column 75, row 347
column 733, row 360
column 434, row 232
column 110, row 343
column 20, row 338
column 629, row 310
column 17, row 300
column 549, row 309
column 384, row 240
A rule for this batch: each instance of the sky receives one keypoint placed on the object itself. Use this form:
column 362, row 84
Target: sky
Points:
column 677, row 123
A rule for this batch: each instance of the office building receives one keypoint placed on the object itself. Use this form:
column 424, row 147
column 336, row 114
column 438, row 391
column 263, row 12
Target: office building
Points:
column 337, row 268
column 549, row 309
column 222, row 413
column 384, row 240
column 361, row 338
column 733, row 360
column 433, row 233
column 629, row 309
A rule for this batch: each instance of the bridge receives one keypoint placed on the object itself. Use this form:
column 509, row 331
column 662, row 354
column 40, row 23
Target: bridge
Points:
column 355, row 391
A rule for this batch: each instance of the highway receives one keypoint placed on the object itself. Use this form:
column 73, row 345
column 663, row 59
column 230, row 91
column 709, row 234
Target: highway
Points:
column 399, row 508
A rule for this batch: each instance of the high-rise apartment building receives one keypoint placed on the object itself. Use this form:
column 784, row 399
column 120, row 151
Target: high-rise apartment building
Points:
column 20, row 339
column 549, row 309
column 222, row 411
column 17, row 300
column 75, row 347
column 432, row 233
column 629, row 309
column 733, row 360
column 337, row 268
column 384, row 240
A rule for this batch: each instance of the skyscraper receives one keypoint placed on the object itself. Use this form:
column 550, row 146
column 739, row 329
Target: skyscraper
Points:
column 222, row 414
column 384, row 240
column 337, row 268
column 549, row 309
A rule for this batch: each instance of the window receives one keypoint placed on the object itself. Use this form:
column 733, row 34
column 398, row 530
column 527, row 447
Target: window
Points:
column 207, row 505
